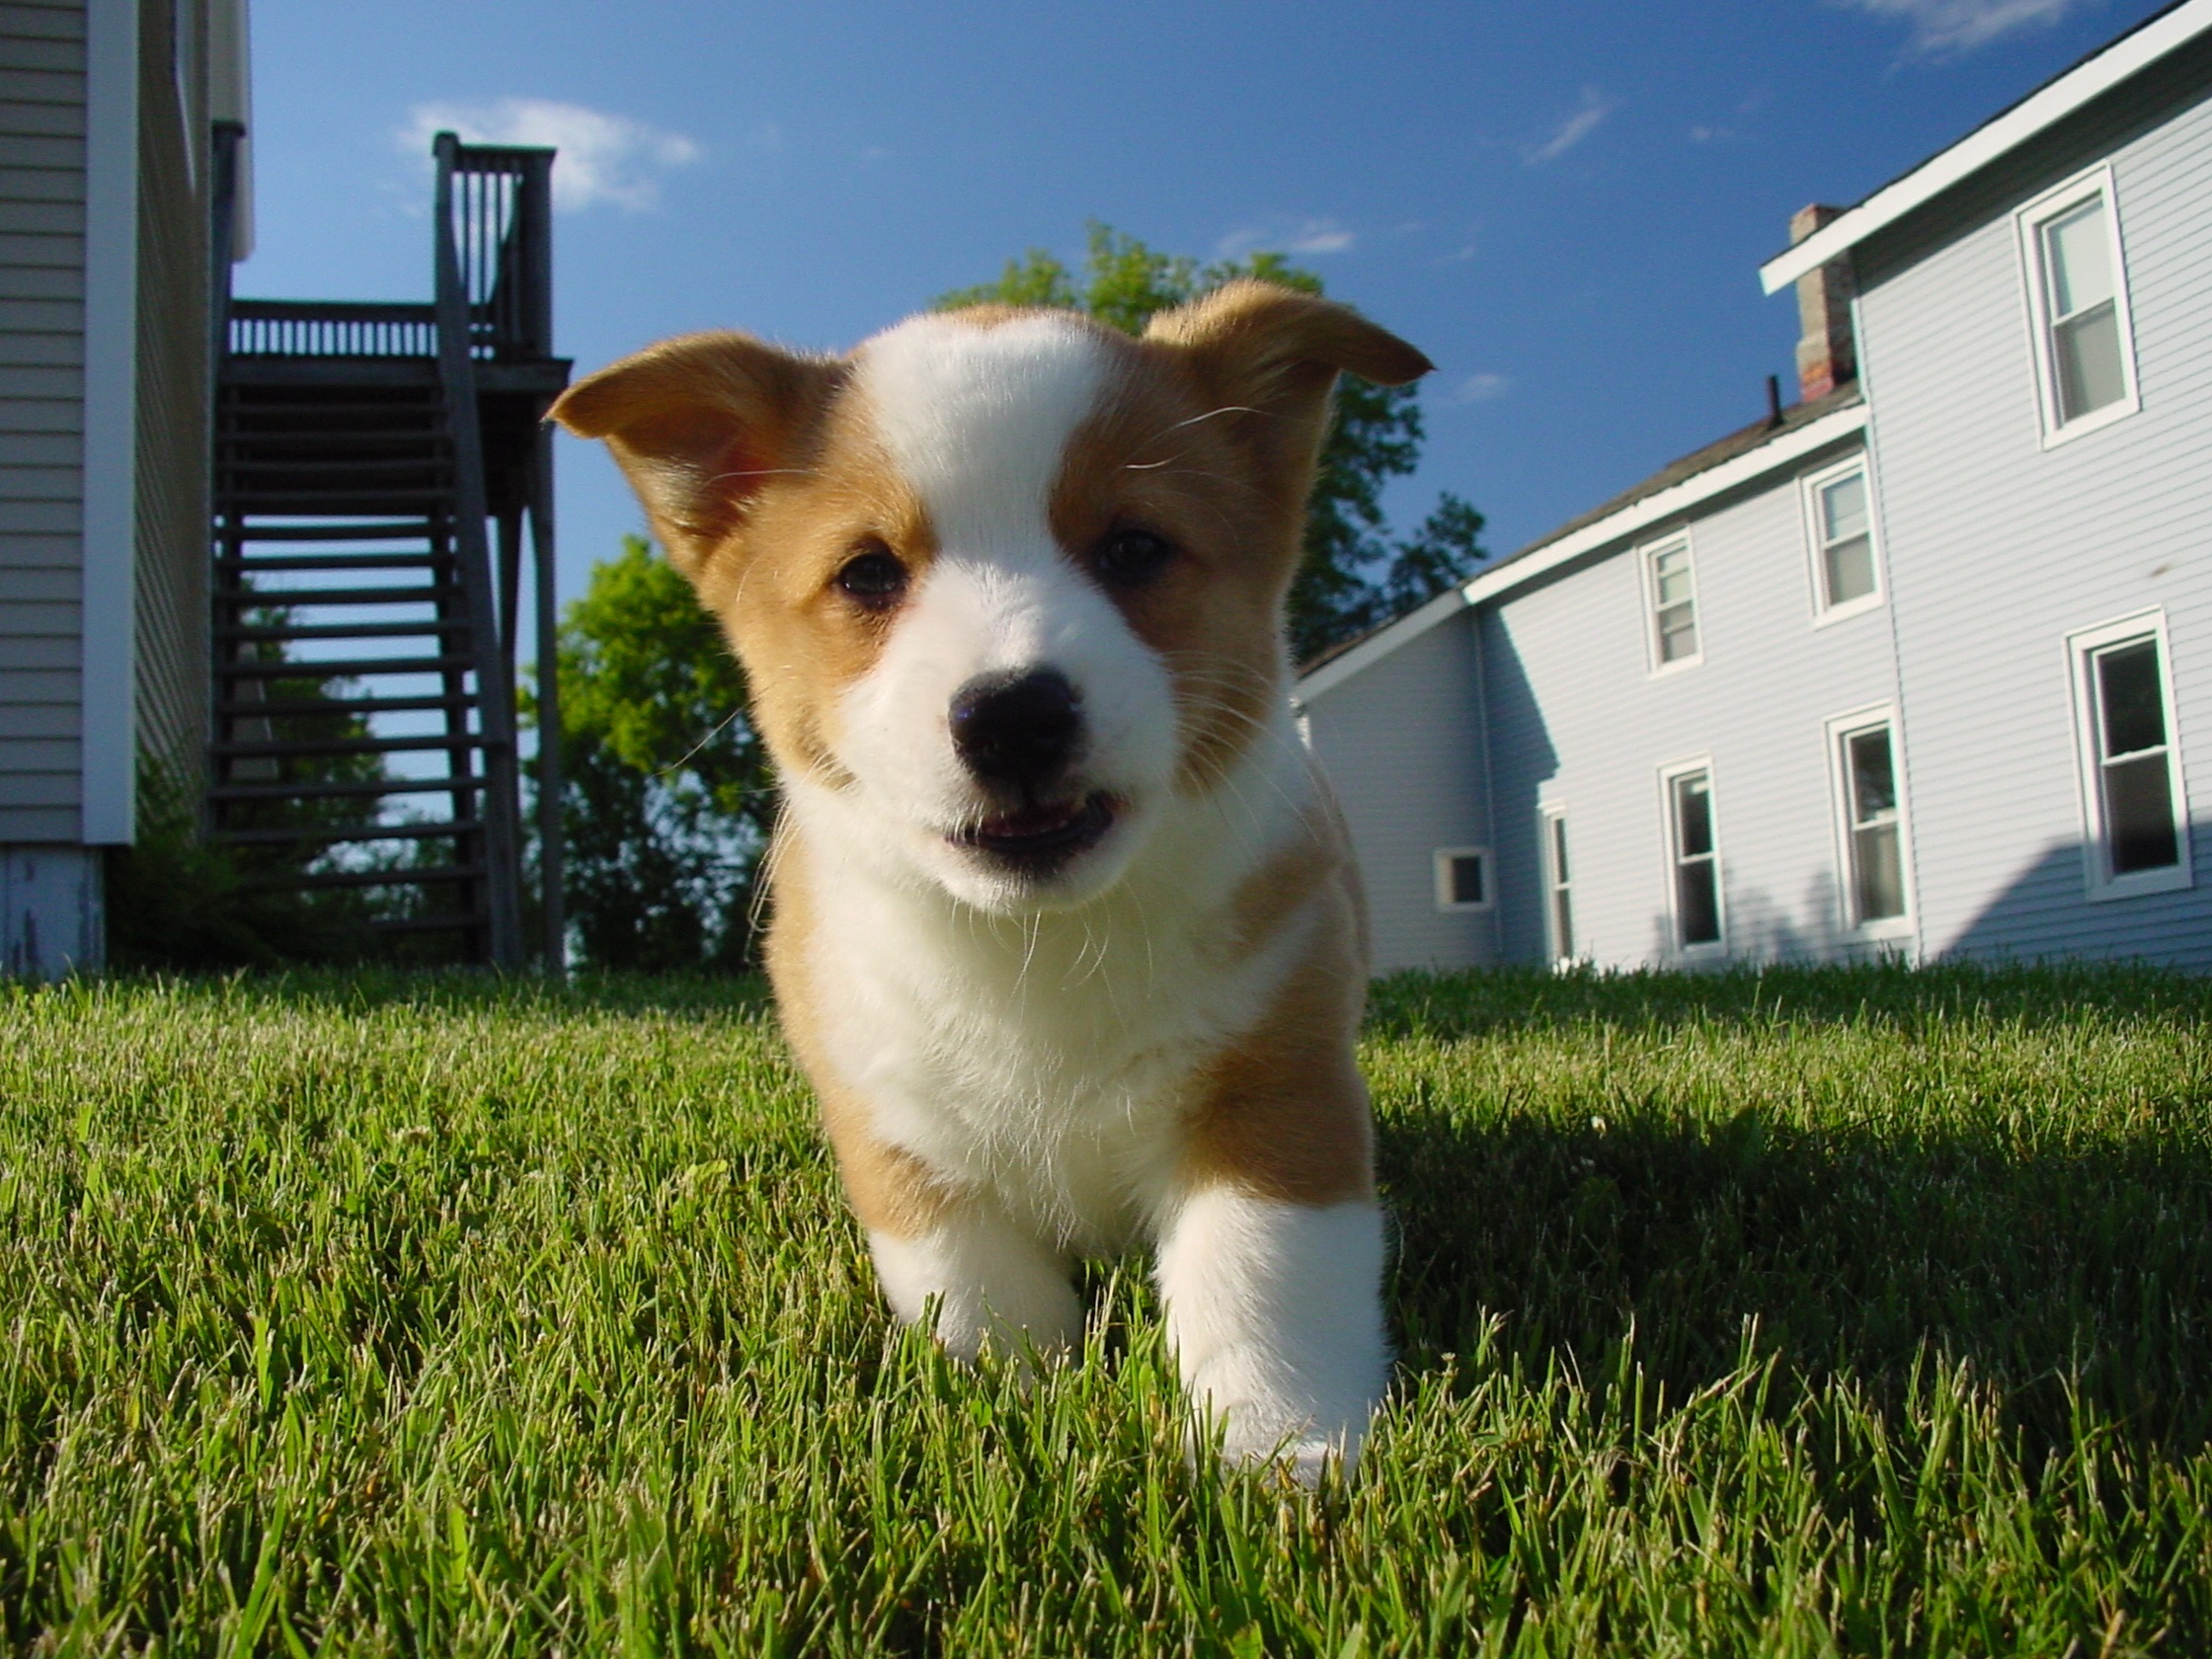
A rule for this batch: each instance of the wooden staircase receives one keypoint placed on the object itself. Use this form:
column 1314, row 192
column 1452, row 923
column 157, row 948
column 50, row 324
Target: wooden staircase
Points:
column 376, row 468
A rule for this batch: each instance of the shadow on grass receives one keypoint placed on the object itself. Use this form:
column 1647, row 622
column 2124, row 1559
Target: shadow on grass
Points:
column 2082, row 1275
column 1484, row 1001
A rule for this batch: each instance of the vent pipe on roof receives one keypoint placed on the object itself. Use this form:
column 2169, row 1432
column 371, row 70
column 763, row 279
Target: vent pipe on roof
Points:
column 1827, row 356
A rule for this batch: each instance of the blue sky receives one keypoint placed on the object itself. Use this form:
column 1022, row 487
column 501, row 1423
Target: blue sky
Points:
column 1563, row 205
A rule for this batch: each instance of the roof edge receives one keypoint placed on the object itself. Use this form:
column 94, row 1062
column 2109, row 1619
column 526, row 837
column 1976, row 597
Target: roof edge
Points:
column 1380, row 644
column 1784, row 449
column 2057, row 99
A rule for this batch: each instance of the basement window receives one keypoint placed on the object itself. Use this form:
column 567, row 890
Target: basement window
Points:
column 1463, row 879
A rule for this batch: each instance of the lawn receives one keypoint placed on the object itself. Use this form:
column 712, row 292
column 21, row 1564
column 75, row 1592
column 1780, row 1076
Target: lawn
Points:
column 1828, row 1311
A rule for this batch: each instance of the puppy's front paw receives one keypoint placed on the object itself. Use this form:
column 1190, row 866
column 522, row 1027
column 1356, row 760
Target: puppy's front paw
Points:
column 1275, row 1312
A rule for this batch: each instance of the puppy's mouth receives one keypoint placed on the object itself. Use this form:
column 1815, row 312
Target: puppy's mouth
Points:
column 1037, row 840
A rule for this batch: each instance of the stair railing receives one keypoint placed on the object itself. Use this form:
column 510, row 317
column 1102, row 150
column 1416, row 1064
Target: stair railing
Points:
column 478, row 221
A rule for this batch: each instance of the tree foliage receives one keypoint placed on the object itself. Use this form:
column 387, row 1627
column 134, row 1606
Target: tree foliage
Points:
column 1355, row 575
column 666, row 798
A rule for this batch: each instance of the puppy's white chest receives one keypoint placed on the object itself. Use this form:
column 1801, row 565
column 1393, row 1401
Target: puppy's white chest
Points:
column 1050, row 1060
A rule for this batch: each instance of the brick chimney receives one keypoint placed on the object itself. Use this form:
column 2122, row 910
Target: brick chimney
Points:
column 1826, row 355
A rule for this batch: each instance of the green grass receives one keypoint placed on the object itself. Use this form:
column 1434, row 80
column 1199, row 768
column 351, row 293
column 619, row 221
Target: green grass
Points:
column 1814, row 1311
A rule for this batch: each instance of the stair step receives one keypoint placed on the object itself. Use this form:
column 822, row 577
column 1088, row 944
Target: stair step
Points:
column 427, row 876
column 291, row 708
column 342, row 596
column 330, row 561
column 274, row 749
column 382, row 529
column 353, row 667
column 362, row 791
column 414, row 831
column 339, row 630
column 337, row 466
column 304, row 502
column 426, row 925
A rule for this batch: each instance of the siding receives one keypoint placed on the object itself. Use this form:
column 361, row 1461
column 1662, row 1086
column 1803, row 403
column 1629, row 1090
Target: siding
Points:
column 174, row 395
column 1402, row 742
column 1999, row 545
column 42, row 415
column 1578, row 719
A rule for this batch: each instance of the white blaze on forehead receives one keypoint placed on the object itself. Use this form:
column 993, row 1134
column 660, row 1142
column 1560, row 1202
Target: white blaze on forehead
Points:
column 977, row 418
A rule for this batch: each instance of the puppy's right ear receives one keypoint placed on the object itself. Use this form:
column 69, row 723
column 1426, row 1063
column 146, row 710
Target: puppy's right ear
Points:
column 699, row 425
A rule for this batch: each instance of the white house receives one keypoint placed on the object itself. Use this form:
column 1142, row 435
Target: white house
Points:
column 1914, row 667
column 108, row 110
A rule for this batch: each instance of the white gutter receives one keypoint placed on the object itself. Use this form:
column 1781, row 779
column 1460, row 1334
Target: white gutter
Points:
column 109, row 629
column 1670, row 503
column 1637, row 515
column 1407, row 628
column 1978, row 149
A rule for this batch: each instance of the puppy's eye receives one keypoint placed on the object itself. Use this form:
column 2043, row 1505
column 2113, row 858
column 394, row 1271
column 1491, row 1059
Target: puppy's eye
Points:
column 1131, row 556
column 873, row 576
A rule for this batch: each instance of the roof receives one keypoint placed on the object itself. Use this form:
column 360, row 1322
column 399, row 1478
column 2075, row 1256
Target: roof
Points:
column 2057, row 97
column 1742, row 457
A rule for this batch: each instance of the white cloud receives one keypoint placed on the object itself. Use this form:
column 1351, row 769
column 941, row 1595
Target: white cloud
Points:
column 1481, row 388
column 1945, row 27
column 1594, row 108
column 1289, row 236
column 603, row 157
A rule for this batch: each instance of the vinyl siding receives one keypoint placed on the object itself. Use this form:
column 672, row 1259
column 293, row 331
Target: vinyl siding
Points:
column 1579, row 719
column 1403, row 742
column 2000, row 548
column 42, row 416
column 173, row 402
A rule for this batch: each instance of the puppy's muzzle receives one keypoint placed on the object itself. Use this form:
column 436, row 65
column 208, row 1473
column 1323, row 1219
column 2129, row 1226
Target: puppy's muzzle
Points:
column 1017, row 733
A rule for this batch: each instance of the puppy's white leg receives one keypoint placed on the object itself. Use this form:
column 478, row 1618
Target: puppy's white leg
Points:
column 990, row 1278
column 1275, row 1312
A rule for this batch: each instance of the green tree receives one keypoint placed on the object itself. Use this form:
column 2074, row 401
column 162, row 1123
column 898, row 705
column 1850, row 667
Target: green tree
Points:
column 1355, row 576
column 666, row 798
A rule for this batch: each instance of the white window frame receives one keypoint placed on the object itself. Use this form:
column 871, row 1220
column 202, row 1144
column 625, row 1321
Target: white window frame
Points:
column 1442, row 863
column 1838, row 730
column 1711, row 950
column 1552, row 816
column 2028, row 224
column 2098, row 884
column 1647, row 554
column 1816, row 564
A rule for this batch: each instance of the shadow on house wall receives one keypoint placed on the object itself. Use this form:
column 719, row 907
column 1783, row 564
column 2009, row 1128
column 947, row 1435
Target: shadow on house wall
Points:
column 2045, row 911
column 1522, row 760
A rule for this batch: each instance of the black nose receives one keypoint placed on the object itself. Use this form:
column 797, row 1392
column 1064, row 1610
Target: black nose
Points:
column 1017, row 731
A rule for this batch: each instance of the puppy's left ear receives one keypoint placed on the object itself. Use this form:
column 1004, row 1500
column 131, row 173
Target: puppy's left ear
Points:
column 1271, row 351
column 701, row 425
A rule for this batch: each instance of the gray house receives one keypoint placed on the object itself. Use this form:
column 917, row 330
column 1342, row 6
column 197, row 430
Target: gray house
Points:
column 107, row 171
column 1914, row 667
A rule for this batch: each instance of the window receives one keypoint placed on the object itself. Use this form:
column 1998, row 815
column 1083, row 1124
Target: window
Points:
column 1869, row 796
column 1673, row 593
column 2136, row 829
column 1463, row 878
column 1696, row 854
column 2077, row 298
column 1839, row 514
column 1558, row 908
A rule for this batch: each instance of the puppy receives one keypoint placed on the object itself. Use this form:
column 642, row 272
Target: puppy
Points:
column 1065, row 931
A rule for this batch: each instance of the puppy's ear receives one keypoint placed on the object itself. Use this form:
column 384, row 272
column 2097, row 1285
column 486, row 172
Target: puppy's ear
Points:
column 700, row 425
column 1274, row 353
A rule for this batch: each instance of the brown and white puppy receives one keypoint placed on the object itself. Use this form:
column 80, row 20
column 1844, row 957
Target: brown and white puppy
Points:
column 1066, row 931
